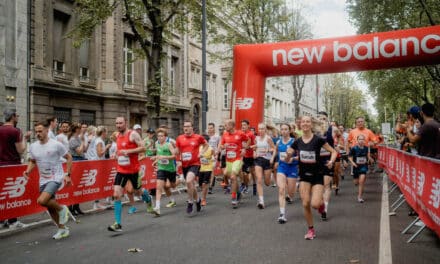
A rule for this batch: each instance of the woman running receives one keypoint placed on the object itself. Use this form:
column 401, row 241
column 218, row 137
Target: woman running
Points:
column 359, row 157
column 263, row 155
column 286, row 168
column 308, row 148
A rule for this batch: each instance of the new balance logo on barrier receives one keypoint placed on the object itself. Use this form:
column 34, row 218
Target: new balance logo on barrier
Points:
column 142, row 171
column 112, row 176
column 244, row 103
column 13, row 189
column 88, row 178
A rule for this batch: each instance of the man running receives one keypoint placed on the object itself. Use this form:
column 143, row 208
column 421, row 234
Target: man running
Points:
column 129, row 146
column 235, row 144
column 214, row 140
column 248, row 168
column 187, row 146
column 46, row 153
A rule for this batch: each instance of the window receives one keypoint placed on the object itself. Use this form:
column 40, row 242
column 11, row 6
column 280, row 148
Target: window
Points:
column 128, row 60
column 60, row 23
column 213, row 91
column 174, row 73
column 87, row 117
column 84, row 62
column 62, row 114
column 10, row 31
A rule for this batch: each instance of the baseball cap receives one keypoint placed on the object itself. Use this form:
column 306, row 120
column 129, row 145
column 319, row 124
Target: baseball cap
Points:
column 414, row 110
column 150, row 130
column 137, row 126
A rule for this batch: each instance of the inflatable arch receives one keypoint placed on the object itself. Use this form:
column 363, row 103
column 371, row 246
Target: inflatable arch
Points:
column 254, row 62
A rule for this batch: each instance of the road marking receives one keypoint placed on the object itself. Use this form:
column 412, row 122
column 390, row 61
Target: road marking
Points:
column 385, row 255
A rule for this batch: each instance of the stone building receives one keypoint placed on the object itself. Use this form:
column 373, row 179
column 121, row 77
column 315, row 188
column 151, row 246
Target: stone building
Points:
column 14, row 59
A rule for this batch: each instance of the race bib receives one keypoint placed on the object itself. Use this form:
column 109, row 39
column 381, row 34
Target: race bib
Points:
column 123, row 160
column 204, row 161
column 361, row 160
column 164, row 161
column 283, row 156
column 231, row 155
column 307, row 156
column 186, row 156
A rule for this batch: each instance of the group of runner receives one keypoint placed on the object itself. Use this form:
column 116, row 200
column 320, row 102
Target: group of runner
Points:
column 307, row 155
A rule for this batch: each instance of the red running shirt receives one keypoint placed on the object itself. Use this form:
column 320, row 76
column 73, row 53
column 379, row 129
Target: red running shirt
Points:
column 250, row 151
column 127, row 164
column 233, row 143
column 189, row 149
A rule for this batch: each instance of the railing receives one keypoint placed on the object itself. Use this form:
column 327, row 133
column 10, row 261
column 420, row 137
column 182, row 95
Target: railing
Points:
column 418, row 178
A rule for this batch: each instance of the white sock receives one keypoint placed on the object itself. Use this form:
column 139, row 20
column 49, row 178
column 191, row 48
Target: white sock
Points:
column 325, row 206
column 282, row 211
column 157, row 204
column 261, row 199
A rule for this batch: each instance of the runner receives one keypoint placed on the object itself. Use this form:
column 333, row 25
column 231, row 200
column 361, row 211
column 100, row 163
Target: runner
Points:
column 129, row 145
column 46, row 153
column 248, row 168
column 359, row 156
column 166, row 169
column 235, row 144
column 286, row 168
column 206, row 168
column 188, row 148
column 263, row 155
column 308, row 148
column 213, row 141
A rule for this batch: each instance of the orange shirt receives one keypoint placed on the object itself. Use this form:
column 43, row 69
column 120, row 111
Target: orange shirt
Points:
column 368, row 134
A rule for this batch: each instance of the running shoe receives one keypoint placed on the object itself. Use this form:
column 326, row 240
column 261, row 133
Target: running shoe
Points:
column 150, row 208
column 282, row 219
column 156, row 211
column 310, row 234
column 189, row 208
column 61, row 233
column 210, row 190
column 234, row 203
column 242, row 186
column 360, row 200
column 260, row 205
column 132, row 210
column 198, row 205
column 203, row 202
column 245, row 190
column 289, row 200
column 63, row 215
column 324, row 216
column 146, row 196
column 115, row 227
column 171, row 204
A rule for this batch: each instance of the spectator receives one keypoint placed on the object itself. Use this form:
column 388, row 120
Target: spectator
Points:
column 53, row 124
column 91, row 142
column 113, row 148
column 63, row 137
column 12, row 145
column 428, row 136
column 76, row 149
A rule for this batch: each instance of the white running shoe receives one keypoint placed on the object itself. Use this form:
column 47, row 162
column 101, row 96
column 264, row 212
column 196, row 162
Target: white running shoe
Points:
column 17, row 225
column 61, row 233
column 63, row 215
column 282, row 219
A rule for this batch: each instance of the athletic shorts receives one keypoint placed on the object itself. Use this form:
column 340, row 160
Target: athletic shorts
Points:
column 289, row 171
column 373, row 150
column 51, row 188
column 204, row 177
column 194, row 169
column 248, row 163
column 166, row 175
column 121, row 179
column 359, row 170
column 263, row 163
column 234, row 167
column 325, row 171
column 313, row 179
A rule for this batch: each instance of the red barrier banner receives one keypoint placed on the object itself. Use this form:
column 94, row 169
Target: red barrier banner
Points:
column 92, row 180
column 418, row 179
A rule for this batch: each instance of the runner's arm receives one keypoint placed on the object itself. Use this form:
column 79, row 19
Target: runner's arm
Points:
column 30, row 167
column 134, row 137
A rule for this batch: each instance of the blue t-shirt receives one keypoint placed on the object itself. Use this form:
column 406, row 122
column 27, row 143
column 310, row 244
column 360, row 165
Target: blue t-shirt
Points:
column 360, row 157
column 282, row 150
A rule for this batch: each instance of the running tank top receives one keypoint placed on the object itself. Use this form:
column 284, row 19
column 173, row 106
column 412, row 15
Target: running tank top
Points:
column 165, row 164
column 282, row 151
column 127, row 164
column 262, row 148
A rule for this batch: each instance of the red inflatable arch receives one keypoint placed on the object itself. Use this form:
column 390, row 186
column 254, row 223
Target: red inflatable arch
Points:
column 254, row 62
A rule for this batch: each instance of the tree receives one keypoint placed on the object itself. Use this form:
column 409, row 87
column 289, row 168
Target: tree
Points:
column 415, row 85
column 151, row 22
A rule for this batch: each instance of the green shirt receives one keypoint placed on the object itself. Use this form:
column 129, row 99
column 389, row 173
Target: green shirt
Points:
column 149, row 146
column 165, row 164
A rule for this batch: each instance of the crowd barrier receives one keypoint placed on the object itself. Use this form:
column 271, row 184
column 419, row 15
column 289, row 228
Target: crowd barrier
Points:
column 418, row 178
column 91, row 180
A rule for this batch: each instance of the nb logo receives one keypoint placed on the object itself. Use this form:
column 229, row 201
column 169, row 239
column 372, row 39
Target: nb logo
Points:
column 112, row 176
column 142, row 172
column 244, row 103
column 88, row 178
column 12, row 188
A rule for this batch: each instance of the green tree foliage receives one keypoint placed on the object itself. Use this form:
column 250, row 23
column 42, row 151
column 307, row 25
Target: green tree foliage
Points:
column 342, row 100
column 397, row 89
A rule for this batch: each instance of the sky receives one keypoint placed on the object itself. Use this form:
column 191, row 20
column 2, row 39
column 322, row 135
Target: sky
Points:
column 330, row 19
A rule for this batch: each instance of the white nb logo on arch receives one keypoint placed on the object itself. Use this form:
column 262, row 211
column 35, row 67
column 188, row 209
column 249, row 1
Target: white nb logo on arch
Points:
column 244, row 103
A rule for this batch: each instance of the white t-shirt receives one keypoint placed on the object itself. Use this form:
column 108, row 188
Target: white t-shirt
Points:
column 63, row 139
column 112, row 150
column 48, row 159
column 91, row 153
column 51, row 134
column 98, row 142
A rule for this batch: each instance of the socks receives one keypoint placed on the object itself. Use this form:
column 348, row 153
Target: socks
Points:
column 118, row 211
column 283, row 211
column 261, row 199
column 157, row 204
column 325, row 206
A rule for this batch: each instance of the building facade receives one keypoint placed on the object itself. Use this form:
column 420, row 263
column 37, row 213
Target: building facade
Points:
column 14, row 59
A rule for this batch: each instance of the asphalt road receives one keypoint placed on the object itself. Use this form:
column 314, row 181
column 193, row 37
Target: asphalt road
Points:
column 220, row 234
